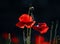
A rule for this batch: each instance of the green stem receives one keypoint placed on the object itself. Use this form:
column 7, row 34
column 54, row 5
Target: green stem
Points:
column 30, row 33
column 27, row 32
column 28, row 36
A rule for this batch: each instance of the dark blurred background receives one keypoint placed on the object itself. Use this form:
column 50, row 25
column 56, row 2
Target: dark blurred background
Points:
column 44, row 11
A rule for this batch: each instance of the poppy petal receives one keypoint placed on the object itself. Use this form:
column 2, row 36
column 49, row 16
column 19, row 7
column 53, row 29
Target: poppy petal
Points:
column 20, row 25
column 44, row 30
column 29, row 25
column 25, row 18
column 42, row 24
column 41, row 27
column 35, row 28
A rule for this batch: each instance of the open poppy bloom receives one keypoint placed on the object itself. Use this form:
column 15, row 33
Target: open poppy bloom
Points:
column 15, row 40
column 41, row 27
column 5, row 35
column 25, row 20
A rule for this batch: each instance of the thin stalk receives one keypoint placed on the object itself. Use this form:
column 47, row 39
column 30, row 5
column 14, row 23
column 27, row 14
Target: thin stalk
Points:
column 9, row 38
column 27, row 37
column 27, row 32
column 51, row 32
column 32, row 16
column 56, row 30
column 24, row 36
column 30, row 35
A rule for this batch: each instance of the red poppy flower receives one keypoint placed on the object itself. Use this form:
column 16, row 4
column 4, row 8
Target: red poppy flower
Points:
column 5, row 35
column 39, row 39
column 45, row 43
column 15, row 40
column 41, row 27
column 25, row 20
